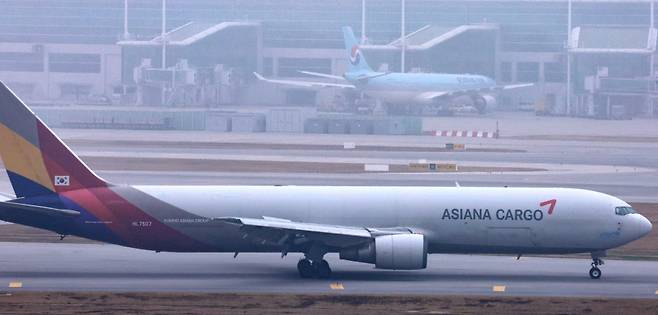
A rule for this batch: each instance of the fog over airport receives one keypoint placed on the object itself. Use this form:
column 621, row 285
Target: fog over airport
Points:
column 350, row 93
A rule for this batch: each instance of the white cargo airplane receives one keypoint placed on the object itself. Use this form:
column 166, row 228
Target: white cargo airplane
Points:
column 434, row 91
column 390, row 227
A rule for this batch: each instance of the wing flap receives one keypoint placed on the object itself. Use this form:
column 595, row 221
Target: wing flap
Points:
column 280, row 231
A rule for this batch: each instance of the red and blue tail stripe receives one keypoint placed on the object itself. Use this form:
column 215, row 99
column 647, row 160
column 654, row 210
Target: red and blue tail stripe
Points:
column 43, row 170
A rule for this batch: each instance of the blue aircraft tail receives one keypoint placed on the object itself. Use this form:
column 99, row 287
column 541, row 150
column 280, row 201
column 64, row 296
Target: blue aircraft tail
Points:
column 356, row 62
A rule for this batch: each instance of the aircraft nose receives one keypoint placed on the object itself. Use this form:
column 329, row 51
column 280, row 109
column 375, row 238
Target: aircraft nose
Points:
column 643, row 225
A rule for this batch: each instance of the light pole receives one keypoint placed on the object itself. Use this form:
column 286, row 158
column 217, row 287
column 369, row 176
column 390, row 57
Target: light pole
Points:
column 403, row 37
column 164, row 48
column 126, row 34
column 568, row 111
column 363, row 22
column 163, row 36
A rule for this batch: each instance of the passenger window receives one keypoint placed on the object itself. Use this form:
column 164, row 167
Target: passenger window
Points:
column 624, row 210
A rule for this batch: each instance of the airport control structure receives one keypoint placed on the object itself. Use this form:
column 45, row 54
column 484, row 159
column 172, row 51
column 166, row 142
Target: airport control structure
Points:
column 585, row 58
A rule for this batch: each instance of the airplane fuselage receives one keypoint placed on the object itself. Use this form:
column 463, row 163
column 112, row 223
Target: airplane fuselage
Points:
column 454, row 220
column 407, row 88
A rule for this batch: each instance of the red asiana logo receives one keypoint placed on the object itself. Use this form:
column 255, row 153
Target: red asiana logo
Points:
column 550, row 203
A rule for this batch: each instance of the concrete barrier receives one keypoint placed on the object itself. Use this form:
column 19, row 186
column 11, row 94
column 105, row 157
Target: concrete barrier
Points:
column 376, row 167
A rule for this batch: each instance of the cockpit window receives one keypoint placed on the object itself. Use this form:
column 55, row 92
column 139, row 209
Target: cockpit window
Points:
column 624, row 210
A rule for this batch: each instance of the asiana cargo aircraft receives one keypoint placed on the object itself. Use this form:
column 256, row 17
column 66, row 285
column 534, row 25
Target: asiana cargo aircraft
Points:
column 390, row 227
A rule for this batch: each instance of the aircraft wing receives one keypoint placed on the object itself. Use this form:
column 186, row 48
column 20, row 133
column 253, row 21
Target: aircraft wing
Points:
column 428, row 96
column 281, row 232
column 323, row 75
column 305, row 84
column 515, row 86
column 6, row 196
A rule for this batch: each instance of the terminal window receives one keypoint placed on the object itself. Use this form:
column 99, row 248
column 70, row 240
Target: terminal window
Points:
column 506, row 72
column 21, row 62
column 527, row 72
column 75, row 63
column 290, row 67
column 555, row 72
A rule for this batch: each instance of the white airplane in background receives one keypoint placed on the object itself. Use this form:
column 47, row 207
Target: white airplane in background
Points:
column 435, row 91
column 390, row 227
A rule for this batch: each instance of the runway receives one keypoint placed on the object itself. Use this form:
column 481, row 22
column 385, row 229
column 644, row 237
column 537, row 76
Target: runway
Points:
column 624, row 169
column 91, row 267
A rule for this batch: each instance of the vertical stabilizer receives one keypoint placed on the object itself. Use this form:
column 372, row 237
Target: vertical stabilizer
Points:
column 37, row 161
column 356, row 62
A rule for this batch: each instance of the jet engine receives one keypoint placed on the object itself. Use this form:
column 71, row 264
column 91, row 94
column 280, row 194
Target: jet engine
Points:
column 398, row 251
column 482, row 102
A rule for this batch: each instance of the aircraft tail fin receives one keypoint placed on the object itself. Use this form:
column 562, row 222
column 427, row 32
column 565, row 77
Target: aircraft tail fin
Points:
column 356, row 62
column 37, row 161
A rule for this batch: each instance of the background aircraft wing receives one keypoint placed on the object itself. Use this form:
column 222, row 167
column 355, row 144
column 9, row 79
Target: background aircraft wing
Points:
column 282, row 232
column 515, row 86
column 323, row 75
column 428, row 96
column 306, row 84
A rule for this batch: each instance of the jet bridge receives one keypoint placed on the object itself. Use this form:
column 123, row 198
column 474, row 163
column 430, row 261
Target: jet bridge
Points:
column 204, row 63
column 433, row 48
column 614, row 72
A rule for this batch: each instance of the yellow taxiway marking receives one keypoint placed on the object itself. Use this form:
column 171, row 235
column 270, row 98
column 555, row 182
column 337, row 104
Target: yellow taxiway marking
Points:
column 498, row 288
column 15, row 285
column 337, row 286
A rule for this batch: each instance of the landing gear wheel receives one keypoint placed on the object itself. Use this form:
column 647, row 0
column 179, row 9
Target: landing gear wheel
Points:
column 305, row 268
column 322, row 269
column 480, row 103
column 595, row 273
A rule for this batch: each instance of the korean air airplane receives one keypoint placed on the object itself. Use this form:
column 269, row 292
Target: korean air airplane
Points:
column 389, row 227
column 435, row 91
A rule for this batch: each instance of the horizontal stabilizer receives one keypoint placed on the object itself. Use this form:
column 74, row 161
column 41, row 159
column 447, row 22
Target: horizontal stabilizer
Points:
column 38, row 210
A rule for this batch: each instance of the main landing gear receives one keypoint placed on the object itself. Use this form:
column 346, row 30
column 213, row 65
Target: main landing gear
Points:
column 314, row 269
column 595, row 272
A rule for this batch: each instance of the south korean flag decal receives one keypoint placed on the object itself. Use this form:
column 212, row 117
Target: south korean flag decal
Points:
column 61, row 180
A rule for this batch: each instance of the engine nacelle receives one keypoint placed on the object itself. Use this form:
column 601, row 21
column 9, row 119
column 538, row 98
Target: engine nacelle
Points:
column 398, row 251
column 484, row 102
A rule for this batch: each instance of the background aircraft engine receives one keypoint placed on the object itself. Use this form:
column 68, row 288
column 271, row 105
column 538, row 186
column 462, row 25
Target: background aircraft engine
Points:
column 483, row 102
column 399, row 251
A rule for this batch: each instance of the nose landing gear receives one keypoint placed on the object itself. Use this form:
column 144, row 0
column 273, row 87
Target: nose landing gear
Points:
column 595, row 272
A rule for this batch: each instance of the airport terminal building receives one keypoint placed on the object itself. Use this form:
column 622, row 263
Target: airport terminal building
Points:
column 600, row 52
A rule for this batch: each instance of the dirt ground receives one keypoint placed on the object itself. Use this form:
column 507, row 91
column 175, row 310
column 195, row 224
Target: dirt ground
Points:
column 638, row 139
column 202, row 303
column 439, row 147
column 192, row 165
